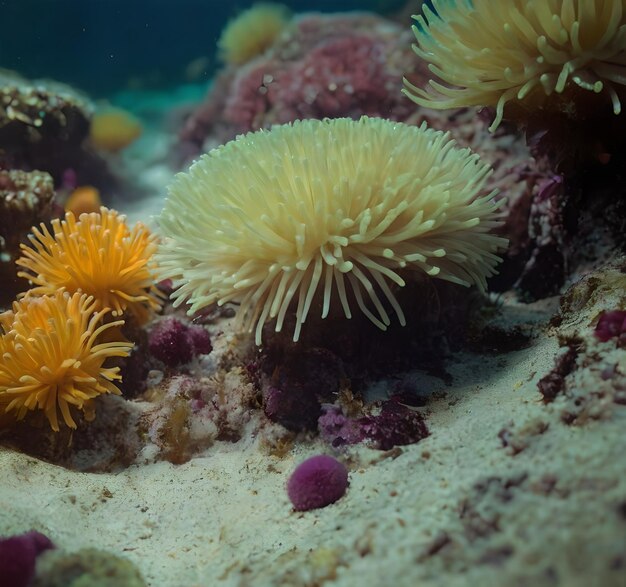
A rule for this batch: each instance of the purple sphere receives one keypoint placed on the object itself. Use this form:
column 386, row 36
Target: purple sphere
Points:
column 17, row 557
column 316, row 483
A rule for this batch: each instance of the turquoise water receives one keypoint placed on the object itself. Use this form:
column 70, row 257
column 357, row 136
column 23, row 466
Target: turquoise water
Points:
column 102, row 46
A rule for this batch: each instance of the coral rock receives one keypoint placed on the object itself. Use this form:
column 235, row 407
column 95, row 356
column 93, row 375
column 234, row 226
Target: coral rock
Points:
column 175, row 343
column 320, row 66
column 25, row 199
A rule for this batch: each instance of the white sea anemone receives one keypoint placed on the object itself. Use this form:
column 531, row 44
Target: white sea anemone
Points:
column 338, row 208
column 523, row 53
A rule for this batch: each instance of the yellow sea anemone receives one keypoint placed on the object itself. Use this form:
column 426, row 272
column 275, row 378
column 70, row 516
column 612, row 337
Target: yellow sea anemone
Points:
column 114, row 129
column 340, row 207
column 98, row 255
column 529, row 54
column 252, row 32
column 51, row 358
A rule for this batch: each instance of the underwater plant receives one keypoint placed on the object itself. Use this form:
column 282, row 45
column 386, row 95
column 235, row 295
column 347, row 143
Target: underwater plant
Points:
column 252, row 32
column 334, row 207
column 521, row 56
column 51, row 357
column 99, row 255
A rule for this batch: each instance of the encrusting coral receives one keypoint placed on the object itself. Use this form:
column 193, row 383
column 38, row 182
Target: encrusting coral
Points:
column 26, row 198
column 520, row 55
column 253, row 31
column 52, row 359
column 321, row 66
column 99, row 255
column 340, row 207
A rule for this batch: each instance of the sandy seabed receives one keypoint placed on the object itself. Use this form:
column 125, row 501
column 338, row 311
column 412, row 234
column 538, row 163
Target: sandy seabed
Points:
column 503, row 492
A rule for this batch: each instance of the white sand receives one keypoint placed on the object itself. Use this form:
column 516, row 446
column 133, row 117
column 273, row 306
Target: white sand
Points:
column 224, row 517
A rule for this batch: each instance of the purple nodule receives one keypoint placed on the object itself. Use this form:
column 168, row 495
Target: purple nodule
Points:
column 317, row 482
column 176, row 343
column 611, row 324
column 18, row 555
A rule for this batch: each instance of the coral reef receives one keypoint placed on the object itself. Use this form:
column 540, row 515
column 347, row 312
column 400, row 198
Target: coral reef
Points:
column 317, row 482
column 321, row 66
column 52, row 356
column 252, row 32
column 26, row 198
column 18, row 555
column 394, row 425
column 98, row 255
column 43, row 125
column 588, row 380
column 175, row 343
column 415, row 207
column 190, row 414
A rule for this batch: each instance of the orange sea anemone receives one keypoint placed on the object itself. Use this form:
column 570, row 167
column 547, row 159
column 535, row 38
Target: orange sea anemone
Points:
column 51, row 358
column 83, row 199
column 252, row 32
column 522, row 55
column 98, row 255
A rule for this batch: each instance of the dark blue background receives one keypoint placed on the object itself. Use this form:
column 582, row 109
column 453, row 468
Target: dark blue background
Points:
column 99, row 45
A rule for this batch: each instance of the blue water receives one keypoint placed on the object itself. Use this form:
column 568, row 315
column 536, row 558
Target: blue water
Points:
column 103, row 45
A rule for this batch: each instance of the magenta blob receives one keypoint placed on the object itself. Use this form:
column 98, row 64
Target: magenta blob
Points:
column 176, row 343
column 611, row 325
column 317, row 482
column 18, row 555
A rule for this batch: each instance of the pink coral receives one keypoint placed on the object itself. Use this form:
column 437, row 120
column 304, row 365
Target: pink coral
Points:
column 334, row 66
column 612, row 325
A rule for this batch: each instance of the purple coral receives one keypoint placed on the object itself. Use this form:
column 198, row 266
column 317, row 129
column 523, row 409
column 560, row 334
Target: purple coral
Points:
column 317, row 482
column 553, row 383
column 396, row 425
column 338, row 429
column 176, row 343
column 342, row 65
column 612, row 325
column 18, row 555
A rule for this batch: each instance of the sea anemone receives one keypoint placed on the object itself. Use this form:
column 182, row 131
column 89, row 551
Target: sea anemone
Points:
column 339, row 206
column 521, row 54
column 98, row 255
column 113, row 129
column 51, row 357
column 252, row 32
column 83, row 200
